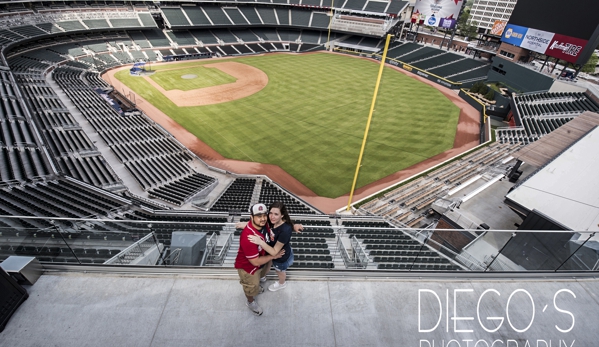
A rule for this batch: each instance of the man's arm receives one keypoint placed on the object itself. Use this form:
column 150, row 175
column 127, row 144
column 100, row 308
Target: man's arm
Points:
column 266, row 258
column 298, row 228
column 260, row 242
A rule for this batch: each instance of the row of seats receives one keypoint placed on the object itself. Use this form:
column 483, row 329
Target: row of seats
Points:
column 409, row 259
column 538, row 114
column 439, row 62
column 60, row 198
column 66, row 142
column 237, row 197
column 312, row 265
column 137, row 142
column 21, row 156
column 270, row 193
column 180, row 191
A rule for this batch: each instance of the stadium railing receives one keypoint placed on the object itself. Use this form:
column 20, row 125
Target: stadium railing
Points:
column 129, row 242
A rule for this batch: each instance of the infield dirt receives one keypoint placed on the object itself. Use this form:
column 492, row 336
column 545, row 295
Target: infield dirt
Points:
column 250, row 80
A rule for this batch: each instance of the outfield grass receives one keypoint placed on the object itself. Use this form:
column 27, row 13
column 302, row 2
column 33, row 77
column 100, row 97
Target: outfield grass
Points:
column 206, row 77
column 310, row 119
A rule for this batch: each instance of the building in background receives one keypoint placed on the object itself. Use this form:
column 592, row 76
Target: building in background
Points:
column 486, row 12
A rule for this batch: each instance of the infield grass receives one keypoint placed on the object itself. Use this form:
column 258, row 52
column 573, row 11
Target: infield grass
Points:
column 310, row 119
column 205, row 77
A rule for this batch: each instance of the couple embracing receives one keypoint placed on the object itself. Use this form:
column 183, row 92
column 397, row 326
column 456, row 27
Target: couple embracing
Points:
column 264, row 241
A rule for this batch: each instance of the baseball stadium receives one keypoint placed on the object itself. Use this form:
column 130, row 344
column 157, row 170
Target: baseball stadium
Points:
column 137, row 136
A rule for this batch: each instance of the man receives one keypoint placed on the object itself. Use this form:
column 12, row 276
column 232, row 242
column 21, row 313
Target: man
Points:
column 252, row 262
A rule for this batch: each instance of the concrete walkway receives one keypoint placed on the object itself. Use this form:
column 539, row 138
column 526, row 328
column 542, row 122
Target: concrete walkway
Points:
column 178, row 310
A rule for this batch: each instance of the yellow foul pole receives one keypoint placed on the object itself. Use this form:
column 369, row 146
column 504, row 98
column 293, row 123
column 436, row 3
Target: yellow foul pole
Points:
column 330, row 22
column 376, row 91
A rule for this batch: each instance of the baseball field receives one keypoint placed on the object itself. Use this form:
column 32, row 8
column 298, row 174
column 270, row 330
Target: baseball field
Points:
column 305, row 113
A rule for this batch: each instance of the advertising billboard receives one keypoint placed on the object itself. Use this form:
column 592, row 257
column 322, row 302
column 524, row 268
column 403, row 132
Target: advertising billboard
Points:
column 498, row 27
column 435, row 10
column 447, row 23
column 565, row 30
column 554, row 45
column 536, row 40
column 565, row 47
column 514, row 34
column 575, row 18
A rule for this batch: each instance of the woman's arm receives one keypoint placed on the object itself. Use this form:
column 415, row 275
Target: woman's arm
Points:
column 298, row 228
column 257, row 240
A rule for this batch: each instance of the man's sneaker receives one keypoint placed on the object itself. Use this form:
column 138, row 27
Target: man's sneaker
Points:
column 261, row 290
column 277, row 286
column 263, row 279
column 253, row 306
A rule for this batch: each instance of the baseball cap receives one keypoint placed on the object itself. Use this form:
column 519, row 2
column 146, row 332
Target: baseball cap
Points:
column 258, row 209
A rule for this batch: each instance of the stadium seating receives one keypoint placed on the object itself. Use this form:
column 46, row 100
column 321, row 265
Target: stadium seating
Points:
column 393, row 249
column 237, row 197
column 439, row 62
column 407, row 204
column 538, row 114
column 88, row 42
column 271, row 193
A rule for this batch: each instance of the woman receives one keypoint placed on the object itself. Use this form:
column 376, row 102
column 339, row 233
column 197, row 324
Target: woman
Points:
column 279, row 238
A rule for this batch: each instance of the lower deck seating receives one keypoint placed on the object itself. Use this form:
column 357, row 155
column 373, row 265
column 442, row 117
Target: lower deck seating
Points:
column 271, row 193
column 237, row 197
column 538, row 114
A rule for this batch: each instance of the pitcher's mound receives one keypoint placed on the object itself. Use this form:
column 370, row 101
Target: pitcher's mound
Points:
column 189, row 76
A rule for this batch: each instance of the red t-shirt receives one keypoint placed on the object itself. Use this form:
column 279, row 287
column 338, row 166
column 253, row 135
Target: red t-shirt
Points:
column 248, row 250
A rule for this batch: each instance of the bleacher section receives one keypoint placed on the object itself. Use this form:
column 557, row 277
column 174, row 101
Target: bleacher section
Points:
column 407, row 205
column 237, row 197
column 74, row 153
column 271, row 193
column 21, row 155
column 439, row 62
column 154, row 158
column 49, row 166
column 311, row 246
column 62, row 198
column 392, row 249
column 538, row 114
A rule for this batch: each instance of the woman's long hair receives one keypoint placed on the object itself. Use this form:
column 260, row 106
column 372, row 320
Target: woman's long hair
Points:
column 281, row 206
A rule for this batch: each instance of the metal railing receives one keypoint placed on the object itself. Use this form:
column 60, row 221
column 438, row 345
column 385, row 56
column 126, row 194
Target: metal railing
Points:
column 119, row 242
column 219, row 258
column 135, row 251
column 210, row 249
column 343, row 252
column 360, row 256
column 171, row 259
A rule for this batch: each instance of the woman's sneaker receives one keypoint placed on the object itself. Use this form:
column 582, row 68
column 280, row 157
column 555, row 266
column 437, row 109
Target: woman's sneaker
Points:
column 277, row 286
column 254, row 307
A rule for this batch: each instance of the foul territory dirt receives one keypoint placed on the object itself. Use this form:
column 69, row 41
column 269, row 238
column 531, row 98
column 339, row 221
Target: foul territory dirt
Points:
column 251, row 80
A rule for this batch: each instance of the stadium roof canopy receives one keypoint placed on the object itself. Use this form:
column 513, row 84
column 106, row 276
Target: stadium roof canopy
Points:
column 548, row 147
column 567, row 188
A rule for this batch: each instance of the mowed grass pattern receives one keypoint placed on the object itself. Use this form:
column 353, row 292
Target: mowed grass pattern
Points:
column 310, row 120
column 206, row 77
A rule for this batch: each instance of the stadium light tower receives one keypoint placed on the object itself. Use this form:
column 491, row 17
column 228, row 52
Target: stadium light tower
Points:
column 376, row 91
